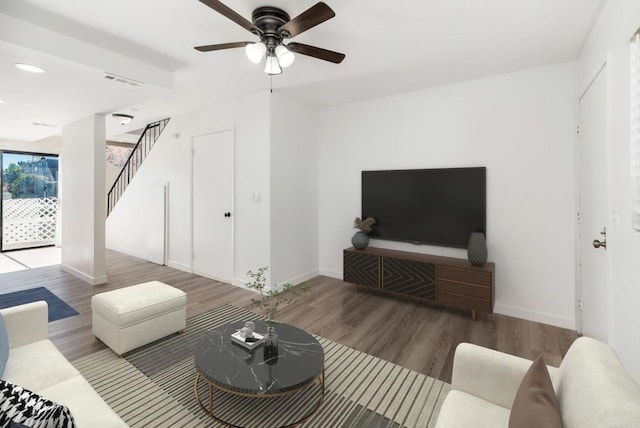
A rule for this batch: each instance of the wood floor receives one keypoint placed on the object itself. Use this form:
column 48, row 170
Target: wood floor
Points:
column 414, row 335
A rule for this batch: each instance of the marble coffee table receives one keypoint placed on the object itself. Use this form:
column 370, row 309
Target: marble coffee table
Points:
column 230, row 368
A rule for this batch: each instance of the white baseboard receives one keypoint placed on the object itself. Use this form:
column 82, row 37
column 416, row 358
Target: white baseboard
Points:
column 178, row 265
column 302, row 278
column 330, row 273
column 296, row 280
column 536, row 316
column 91, row 280
column 129, row 252
column 239, row 282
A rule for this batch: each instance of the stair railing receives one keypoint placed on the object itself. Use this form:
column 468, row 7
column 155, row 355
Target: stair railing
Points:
column 146, row 141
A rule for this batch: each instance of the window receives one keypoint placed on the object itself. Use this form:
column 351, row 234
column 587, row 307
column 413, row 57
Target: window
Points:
column 635, row 130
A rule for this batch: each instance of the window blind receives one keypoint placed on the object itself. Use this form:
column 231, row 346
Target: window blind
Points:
column 635, row 130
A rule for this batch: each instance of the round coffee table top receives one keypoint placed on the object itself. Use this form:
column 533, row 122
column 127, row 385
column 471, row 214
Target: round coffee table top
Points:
column 230, row 366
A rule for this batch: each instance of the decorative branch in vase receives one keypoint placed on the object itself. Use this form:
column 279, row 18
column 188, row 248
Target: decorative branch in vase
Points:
column 361, row 239
column 270, row 302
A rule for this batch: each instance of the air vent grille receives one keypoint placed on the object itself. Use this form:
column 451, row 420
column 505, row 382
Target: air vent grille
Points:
column 120, row 79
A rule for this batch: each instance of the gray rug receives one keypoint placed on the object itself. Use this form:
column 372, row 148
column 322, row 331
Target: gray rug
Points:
column 153, row 387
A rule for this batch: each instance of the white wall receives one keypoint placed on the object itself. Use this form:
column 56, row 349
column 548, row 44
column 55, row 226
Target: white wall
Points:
column 294, row 191
column 170, row 161
column 110, row 175
column 83, row 199
column 609, row 40
column 520, row 126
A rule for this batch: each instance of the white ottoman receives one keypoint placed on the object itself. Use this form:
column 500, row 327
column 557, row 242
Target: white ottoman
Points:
column 130, row 317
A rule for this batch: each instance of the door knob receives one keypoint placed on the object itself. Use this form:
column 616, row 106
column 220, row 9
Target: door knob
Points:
column 603, row 244
column 227, row 214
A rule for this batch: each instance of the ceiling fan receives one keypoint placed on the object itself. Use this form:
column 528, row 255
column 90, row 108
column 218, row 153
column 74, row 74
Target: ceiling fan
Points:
column 273, row 25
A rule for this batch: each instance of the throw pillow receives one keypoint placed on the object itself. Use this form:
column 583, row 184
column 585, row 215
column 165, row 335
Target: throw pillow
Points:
column 4, row 346
column 535, row 405
column 20, row 407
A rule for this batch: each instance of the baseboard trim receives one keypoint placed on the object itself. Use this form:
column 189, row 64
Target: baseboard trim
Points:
column 536, row 316
column 128, row 252
column 91, row 280
column 330, row 273
column 239, row 282
column 302, row 278
column 180, row 266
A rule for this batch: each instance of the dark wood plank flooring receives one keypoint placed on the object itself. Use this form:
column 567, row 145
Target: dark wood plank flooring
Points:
column 414, row 335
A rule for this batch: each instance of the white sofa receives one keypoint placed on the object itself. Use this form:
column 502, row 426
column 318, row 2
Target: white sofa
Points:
column 36, row 364
column 592, row 387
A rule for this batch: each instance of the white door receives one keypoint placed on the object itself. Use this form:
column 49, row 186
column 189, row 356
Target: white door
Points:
column 593, row 197
column 212, row 252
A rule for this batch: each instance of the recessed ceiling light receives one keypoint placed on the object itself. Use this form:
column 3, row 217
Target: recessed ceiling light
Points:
column 28, row 67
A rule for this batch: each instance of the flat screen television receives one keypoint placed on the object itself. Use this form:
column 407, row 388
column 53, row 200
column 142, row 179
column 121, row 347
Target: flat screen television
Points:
column 426, row 206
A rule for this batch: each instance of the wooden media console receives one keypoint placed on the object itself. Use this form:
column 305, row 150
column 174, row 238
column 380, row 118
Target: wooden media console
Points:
column 444, row 280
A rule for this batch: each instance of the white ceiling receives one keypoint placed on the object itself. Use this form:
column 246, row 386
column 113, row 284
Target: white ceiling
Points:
column 390, row 46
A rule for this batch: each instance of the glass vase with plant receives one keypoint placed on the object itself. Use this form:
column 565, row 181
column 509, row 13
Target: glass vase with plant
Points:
column 270, row 301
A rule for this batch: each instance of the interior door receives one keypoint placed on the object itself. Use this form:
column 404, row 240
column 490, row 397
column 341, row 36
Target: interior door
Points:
column 594, row 295
column 212, row 251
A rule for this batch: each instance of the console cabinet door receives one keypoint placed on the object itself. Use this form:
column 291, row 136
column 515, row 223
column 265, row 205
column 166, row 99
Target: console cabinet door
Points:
column 417, row 279
column 361, row 268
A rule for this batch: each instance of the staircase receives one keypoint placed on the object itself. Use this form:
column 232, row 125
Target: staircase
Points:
column 142, row 148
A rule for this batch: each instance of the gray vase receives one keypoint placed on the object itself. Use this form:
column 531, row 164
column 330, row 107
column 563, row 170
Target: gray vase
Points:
column 360, row 240
column 477, row 249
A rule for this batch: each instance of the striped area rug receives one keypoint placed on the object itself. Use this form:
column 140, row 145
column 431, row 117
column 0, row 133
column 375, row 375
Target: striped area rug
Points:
column 153, row 387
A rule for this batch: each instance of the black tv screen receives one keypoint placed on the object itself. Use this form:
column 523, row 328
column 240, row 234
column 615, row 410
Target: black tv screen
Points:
column 426, row 206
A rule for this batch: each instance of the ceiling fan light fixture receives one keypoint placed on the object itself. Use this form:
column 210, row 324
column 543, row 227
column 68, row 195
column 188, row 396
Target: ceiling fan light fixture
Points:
column 272, row 67
column 255, row 51
column 285, row 56
column 122, row 118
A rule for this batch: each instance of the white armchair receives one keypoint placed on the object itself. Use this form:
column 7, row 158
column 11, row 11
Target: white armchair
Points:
column 592, row 387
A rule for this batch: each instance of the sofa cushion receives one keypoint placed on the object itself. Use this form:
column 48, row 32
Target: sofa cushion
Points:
column 592, row 378
column 462, row 410
column 21, row 407
column 37, row 365
column 535, row 404
column 87, row 407
column 4, row 346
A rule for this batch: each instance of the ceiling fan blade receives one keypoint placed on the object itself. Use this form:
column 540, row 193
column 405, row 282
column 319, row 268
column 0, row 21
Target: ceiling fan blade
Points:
column 327, row 55
column 220, row 46
column 225, row 10
column 311, row 17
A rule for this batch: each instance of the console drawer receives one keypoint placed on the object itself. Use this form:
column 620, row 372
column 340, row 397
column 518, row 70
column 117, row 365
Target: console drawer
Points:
column 465, row 289
column 464, row 275
column 465, row 302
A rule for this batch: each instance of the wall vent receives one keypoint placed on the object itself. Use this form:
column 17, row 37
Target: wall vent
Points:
column 120, row 79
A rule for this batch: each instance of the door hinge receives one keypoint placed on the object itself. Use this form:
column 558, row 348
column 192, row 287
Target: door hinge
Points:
column 580, row 304
column 578, row 216
column 578, row 130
